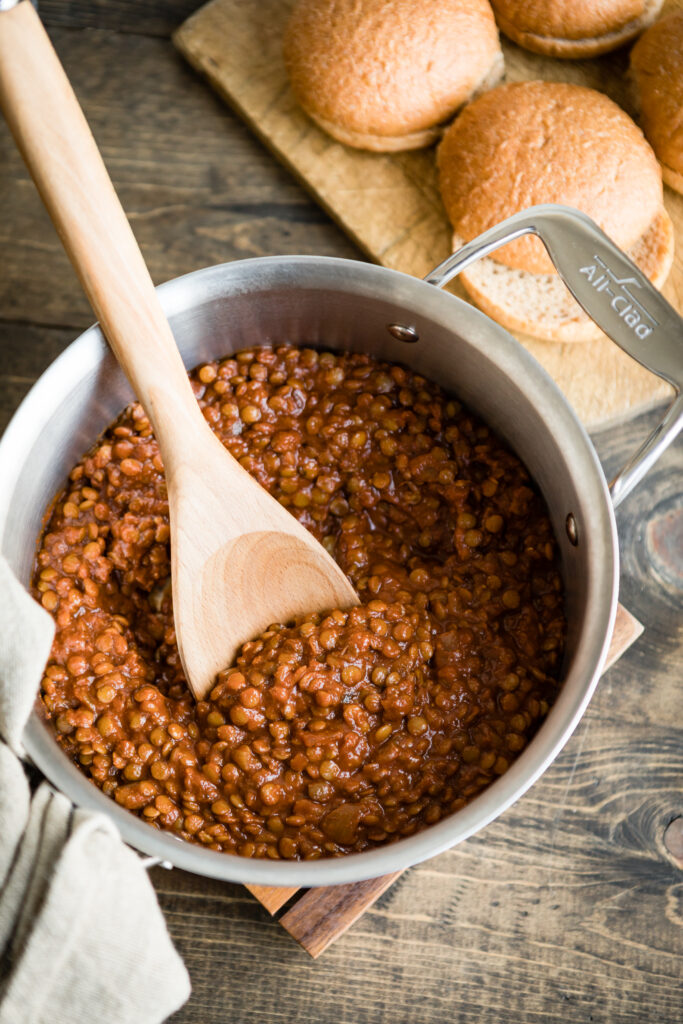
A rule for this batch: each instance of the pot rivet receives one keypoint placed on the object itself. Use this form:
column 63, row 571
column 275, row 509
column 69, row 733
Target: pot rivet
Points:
column 403, row 333
column 673, row 840
column 572, row 530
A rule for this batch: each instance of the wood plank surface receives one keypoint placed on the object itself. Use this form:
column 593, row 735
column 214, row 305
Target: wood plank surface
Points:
column 389, row 203
column 626, row 631
column 567, row 908
column 25, row 352
column 141, row 17
column 196, row 185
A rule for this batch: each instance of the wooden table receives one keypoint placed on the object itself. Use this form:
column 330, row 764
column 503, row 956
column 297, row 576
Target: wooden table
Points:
column 570, row 906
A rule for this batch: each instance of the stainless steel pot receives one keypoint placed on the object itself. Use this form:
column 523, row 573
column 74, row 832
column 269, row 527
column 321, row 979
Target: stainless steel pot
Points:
column 340, row 304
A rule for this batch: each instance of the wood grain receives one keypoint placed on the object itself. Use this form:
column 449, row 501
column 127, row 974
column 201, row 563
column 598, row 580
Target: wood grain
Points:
column 142, row 17
column 567, row 908
column 346, row 902
column 272, row 897
column 196, row 185
column 626, row 631
column 53, row 136
column 25, row 352
column 321, row 916
column 390, row 204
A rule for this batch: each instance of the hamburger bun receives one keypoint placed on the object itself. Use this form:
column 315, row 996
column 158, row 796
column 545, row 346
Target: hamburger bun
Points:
column 657, row 76
column 543, row 142
column 574, row 28
column 384, row 76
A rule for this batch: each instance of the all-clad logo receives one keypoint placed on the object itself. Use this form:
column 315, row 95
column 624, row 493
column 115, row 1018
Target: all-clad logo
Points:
column 622, row 299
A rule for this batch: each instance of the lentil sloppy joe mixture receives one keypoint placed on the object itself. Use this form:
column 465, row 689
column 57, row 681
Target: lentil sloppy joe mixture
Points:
column 348, row 729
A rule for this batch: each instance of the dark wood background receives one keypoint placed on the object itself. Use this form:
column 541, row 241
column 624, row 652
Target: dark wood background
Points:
column 570, row 906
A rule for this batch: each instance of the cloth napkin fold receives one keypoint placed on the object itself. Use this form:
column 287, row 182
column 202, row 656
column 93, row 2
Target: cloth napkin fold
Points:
column 82, row 937
column 26, row 634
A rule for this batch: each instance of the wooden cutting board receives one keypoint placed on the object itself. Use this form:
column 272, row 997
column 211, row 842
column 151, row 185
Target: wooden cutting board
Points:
column 390, row 204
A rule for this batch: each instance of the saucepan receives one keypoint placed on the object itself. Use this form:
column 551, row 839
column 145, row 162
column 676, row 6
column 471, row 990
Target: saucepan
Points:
column 346, row 305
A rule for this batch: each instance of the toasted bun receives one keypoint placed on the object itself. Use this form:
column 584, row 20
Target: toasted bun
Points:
column 574, row 28
column 384, row 75
column 657, row 75
column 541, row 305
column 544, row 142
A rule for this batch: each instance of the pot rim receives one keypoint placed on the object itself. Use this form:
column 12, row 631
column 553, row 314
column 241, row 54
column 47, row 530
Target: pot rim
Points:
column 86, row 352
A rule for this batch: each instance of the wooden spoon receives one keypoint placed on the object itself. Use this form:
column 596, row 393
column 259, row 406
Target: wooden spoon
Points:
column 239, row 561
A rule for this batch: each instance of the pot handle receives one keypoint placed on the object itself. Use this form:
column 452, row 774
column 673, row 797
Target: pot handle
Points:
column 614, row 293
column 153, row 862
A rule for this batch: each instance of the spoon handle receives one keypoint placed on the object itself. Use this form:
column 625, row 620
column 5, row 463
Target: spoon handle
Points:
column 54, row 138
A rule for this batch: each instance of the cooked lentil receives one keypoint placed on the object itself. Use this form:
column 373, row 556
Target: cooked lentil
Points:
column 348, row 729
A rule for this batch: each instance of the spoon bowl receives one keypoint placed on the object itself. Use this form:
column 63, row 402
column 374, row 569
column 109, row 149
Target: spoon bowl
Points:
column 239, row 561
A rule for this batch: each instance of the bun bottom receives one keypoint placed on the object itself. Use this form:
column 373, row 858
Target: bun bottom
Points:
column 541, row 305
column 377, row 143
column 674, row 179
column 411, row 140
column 593, row 46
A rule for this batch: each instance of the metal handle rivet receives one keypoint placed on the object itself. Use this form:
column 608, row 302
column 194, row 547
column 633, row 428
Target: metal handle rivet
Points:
column 403, row 333
column 572, row 530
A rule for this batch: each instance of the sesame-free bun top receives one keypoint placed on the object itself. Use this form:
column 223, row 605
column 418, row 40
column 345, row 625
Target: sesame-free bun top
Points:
column 546, row 142
column 657, row 72
column 382, row 74
column 574, row 28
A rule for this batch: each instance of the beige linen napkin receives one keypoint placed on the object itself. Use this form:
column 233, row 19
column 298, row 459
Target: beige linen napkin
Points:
column 26, row 632
column 81, row 934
